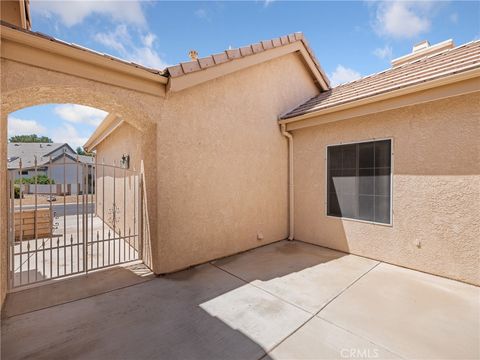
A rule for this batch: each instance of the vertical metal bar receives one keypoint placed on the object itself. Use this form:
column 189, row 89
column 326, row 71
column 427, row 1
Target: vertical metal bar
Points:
column 11, row 239
column 94, row 209
column 71, row 236
column 21, row 221
column 85, row 223
column 114, row 212
column 119, row 246
column 135, row 208
column 90, row 183
column 64, row 212
column 109, row 248
column 35, row 225
column 98, row 240
column 103, row 216
column 140, row 216
column 124, row 211
column 78, row 215
column 51, row 217
column 374, row 193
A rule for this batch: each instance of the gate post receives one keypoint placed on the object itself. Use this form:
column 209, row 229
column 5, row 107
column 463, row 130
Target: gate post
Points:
column 140, row 215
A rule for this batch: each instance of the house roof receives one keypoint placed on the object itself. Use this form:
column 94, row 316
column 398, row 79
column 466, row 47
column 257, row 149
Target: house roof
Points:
column 439, row 65
column 28, row 151
column 204, row 63
column 186, row 68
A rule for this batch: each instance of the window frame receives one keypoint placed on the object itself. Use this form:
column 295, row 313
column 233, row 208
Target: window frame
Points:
column 392, row 158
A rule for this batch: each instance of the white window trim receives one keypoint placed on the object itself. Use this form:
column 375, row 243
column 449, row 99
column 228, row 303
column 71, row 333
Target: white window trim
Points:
column 392, row 157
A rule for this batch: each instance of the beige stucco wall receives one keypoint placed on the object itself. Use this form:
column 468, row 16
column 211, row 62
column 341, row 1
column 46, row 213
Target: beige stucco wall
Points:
column 126, row 139
column 436, row 188
column 222, row 163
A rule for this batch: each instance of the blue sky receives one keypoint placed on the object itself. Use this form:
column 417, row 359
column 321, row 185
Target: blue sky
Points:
column 351, row 39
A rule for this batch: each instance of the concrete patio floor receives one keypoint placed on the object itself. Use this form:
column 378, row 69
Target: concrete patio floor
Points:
column 287, row 300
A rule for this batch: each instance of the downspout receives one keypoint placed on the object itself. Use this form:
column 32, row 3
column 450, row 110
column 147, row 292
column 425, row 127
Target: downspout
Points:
column 290, row 181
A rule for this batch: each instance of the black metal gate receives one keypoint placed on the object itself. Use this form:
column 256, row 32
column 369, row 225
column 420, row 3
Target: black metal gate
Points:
column 70, row 215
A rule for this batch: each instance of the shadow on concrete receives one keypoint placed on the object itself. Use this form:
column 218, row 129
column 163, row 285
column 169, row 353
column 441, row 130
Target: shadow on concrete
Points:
column 74, row 288
column 239, row 307
column 160, row 318
column 26, row 276
column 276, row 260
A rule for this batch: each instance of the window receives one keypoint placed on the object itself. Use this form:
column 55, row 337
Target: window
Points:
column 358, row 181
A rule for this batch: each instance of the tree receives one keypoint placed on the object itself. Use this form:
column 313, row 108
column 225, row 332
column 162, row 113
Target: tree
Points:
column 80, row 151
column 33, row 138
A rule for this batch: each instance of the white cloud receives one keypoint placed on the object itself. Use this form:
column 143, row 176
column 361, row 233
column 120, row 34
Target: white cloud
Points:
column 115, row 39
column 149, row 39
column 342, row 75
column 124, row 13
column 80, row 114
column 383, row 53
column 403, row 19
column 67, row 133
column 121, row 41
column 71, row 13
column 202, row 14
column 454, row 18
column 18, row 126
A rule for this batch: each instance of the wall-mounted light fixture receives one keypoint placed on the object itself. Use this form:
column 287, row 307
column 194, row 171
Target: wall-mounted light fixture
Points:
column 125, row 162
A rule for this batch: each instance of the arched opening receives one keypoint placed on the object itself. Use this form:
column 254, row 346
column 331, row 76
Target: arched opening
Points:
column 38, row 86
column 69, row 212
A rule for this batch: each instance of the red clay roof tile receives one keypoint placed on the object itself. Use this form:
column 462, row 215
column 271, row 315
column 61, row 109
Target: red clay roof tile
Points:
column 206, row 62
column 190, row 66
column 220, row 58
column 233, row 54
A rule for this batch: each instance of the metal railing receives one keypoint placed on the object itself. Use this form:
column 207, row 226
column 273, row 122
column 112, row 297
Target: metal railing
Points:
column 96, row 223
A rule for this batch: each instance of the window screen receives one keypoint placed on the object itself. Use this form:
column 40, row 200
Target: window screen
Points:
column 358, row 181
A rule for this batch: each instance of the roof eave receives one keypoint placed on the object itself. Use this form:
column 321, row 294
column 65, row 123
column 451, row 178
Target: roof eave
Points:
column 106, row 127
column 31, row 40
column 456, row 77
column 180, row 80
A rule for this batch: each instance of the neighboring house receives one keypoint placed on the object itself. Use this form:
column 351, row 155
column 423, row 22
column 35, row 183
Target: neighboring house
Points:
column 58, row 161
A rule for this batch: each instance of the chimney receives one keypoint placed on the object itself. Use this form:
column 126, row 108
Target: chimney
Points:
column 193, row 55
column 423, row 49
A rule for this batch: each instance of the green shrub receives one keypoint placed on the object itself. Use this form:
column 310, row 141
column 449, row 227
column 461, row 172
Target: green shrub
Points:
column 41, row 180
column 16, row 192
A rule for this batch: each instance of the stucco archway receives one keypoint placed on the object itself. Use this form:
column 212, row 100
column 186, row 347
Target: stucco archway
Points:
column 39, row 86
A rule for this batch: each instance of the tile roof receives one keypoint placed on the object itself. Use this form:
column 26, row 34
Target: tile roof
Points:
column 196, row 65
column 232, row 54
column 438, row 65
column 28, row 151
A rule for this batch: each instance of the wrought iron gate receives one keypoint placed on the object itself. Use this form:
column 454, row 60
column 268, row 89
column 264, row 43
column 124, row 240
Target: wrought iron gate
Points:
column 70, row 215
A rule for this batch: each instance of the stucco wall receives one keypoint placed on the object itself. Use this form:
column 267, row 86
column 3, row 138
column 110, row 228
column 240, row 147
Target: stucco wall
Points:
column 222, row 163
column 126, row 139
column 436, row 188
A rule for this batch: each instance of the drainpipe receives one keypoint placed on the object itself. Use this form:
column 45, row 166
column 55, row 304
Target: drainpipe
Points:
column 290, row 180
